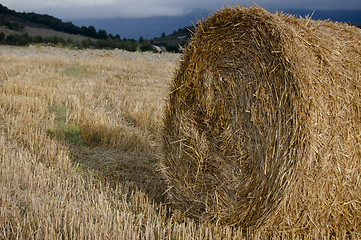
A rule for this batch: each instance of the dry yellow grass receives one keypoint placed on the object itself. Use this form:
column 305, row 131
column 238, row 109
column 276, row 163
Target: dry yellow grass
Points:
column 78, row 144
column 79, row 138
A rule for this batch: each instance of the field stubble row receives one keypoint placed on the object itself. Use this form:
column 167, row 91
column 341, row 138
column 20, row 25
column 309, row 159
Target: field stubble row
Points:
column 79, row 138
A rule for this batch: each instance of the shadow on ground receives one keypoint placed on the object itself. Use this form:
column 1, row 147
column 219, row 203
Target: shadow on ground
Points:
column 134, row 169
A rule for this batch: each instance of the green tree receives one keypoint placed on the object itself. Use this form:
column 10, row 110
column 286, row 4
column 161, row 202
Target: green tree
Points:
column 102, row 34
column 101, row 43
column 25, row 39
column 89, row 31
column 5, row 10
column 92, row 32
column 70, row 42
column 38, row 39
column 51, row 39
column 2, row 36
column 86, row 43
column 146, row 46
column 83, row 31
column 141, row 39
column 13, row 39
column 172, row 48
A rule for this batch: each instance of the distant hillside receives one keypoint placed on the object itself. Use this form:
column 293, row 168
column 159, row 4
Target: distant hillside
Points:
column 175, row 41
column 31, row 28
column 16, row 21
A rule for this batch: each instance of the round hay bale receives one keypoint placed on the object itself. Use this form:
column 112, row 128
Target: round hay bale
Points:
column 262, row 124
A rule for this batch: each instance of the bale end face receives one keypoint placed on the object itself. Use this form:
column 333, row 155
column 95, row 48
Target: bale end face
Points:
column 238, row 127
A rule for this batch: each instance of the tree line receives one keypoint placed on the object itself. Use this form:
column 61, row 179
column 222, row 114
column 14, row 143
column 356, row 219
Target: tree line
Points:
column 51, row 22
column 96, row 39
column 109, row 43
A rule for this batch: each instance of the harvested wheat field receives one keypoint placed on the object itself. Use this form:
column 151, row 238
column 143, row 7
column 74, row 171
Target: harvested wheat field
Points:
column 79, row 146
column 263, row 125
column 81, row 132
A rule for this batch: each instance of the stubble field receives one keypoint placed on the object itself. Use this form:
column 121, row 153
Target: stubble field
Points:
column 79, row 147
column 80, row 140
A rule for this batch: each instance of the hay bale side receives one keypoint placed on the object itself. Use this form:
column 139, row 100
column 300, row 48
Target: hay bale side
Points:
column 262, row 125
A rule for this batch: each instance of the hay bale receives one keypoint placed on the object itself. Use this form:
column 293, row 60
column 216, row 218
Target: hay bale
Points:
column 262, row 125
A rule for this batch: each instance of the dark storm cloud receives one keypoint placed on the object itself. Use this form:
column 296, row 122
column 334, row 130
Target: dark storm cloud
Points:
column 147, row 8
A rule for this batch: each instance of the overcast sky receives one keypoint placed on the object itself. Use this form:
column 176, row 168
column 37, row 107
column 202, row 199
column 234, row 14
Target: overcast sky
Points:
column 73, row 9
